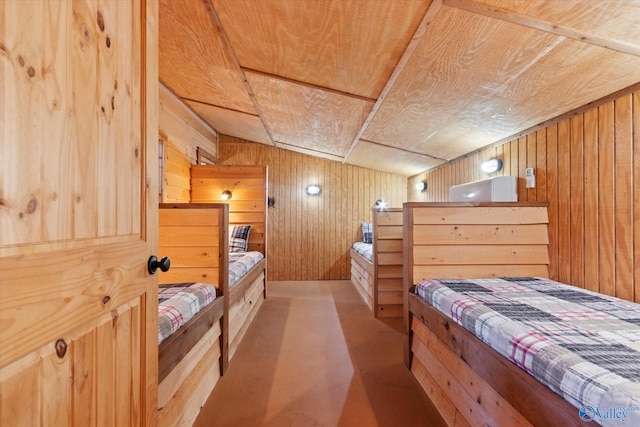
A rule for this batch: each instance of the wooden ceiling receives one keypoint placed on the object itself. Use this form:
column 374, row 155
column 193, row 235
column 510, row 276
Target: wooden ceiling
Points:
column 399, row 86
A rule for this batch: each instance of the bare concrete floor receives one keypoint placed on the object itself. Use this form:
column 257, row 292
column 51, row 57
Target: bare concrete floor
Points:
column 315, row 356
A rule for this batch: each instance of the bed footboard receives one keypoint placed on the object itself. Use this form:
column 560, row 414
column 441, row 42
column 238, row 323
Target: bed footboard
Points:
column 245, row 298
column 172, row 350
column 187, row 386
column 362, row 277
column 191, row 361
column 466, row 378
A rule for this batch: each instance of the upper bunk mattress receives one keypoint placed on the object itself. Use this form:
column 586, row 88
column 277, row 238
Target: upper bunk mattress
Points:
column 583, row 345
column 178, row 303
column 364, row 249
column 241, row 262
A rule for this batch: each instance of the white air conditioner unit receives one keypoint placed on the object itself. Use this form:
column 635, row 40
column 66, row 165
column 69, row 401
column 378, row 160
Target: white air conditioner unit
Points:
column 496, row 189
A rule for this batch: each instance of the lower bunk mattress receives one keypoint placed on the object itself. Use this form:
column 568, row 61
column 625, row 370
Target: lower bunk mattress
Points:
column 178, row 303
column 364, row 249
column 241, row 262
column 583, row 345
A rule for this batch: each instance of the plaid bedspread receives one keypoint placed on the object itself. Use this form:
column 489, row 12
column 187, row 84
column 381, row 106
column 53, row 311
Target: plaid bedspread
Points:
column 364, row 249
column 241, row 262
column 583, row 345
column 178, row 303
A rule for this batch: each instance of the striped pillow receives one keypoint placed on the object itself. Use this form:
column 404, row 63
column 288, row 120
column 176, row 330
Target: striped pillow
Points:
column 239, row 238
column 367, row 232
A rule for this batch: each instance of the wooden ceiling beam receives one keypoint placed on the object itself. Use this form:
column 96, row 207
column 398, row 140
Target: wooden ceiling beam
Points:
column 309, row 85
column 429, row 16
column 197, row 101
column 310, row 152
column 404, row 150
column 542, row 25
column 215, row 20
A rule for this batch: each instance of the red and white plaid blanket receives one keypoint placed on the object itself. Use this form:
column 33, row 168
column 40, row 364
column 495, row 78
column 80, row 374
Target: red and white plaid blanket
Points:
column 178, row 303
column 583, row 345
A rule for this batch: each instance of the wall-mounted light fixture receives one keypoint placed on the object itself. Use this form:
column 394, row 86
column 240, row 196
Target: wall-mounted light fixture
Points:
column 271, row 201
column 380, row 204
column 313, row 189
column 226, row 195
column 491, row 166
column 421, row 186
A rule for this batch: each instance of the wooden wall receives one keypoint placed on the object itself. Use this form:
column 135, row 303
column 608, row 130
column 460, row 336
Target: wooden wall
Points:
column 248, row 203
column 181, row 133
column 183, row 128
column 587, row 167
column 175, row 175
column 309, row 237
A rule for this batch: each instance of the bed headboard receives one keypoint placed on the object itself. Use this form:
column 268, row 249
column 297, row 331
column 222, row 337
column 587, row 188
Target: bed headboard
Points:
column 248, row 203
column 472, row 240
column 388, row 261
column 194, row 236
column 458, row 240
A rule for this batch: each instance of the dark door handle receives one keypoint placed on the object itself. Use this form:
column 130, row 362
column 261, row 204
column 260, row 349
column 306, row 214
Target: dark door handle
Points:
column 164, row 264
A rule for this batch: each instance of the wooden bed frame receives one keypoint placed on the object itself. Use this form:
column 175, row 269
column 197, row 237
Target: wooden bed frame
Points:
column 380, row 282
column 191, row 360
column 245, row 299
column 362, row 277
column 469, row 382
column 248, row 205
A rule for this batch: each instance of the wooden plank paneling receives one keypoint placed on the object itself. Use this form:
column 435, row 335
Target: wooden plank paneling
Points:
column 192, row 239
column 589, row 161
column 501, row 234
column 506, row 215
column 576, row 211
column 480, row 254
column 624, row 288
column 388, row 235
column 636, row 188
column 327, row 225
column 606, row 217
column 183, row 128
column 472, row 393
column 591, row 230
column 247, row 204
column 471, row 254
column 552, row 198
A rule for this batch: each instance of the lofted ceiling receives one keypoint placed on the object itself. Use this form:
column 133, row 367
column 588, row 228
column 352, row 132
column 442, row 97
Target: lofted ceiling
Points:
column 399, row 86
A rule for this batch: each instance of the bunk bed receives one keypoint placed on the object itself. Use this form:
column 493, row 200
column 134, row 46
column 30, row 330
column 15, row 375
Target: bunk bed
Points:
column 376, row 263
column 246, row 292
column 193, row 357
column 485, row 253
column 247, row 196
column 362, row 264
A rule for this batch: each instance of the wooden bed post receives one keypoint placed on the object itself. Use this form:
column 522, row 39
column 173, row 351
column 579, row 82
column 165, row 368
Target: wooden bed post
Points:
column 224, row 285
column 407, row 269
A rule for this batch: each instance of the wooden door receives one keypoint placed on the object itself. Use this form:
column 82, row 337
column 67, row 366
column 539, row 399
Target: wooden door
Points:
column 78, row 212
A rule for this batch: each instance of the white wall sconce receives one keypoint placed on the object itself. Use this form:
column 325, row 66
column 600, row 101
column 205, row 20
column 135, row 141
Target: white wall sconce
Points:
column 421, row 186
column 313, row 189
column 491, row 166
column 380, row 204
column 226, row 195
